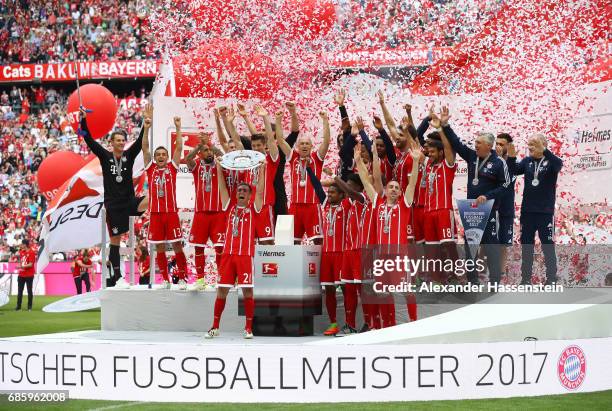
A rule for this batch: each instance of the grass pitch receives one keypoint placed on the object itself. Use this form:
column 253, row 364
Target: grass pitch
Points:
column 17, row 323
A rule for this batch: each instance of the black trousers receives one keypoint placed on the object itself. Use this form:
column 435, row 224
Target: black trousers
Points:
column 22, row 281
column 78, row 282
column 544, row 225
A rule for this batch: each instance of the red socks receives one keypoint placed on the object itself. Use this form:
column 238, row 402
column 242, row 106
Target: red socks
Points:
column 249, row 310
column 162, row 264
column 330, row 304
column 181, row 263
column 219, row 306
column 218, row 255
column 200, row 262
column 350, row 304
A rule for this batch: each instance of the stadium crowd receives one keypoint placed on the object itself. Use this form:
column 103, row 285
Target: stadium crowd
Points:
column 40, row 31
column 396, row 23
column 29, row 132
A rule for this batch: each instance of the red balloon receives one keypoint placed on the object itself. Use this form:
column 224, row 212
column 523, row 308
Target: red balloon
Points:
column 101, row 102
column 219, row 69
column 89, row 157
column 307, row 19
column 55, row 170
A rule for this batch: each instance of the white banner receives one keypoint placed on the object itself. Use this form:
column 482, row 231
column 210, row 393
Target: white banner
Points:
column 213, row 372
column 75, row 225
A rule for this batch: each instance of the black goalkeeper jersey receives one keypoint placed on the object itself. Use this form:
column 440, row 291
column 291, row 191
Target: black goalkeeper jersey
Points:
column 117, row 194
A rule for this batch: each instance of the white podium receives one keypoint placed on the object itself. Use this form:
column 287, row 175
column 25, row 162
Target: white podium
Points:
column 286, row 289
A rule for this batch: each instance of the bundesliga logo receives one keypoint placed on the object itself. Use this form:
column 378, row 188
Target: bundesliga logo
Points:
column 312, row 269
column 269, row 269
column 571, row 367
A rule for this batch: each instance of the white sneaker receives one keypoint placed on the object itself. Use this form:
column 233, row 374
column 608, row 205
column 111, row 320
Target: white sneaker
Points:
column 121, row 284
column 182, row 285
column 248, row 334
column 213, row 332
column 198, row 285
column 165, row 285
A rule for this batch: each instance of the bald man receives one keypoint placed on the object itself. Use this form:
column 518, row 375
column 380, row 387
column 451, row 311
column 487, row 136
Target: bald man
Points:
column 304, row 201
column 541, row 170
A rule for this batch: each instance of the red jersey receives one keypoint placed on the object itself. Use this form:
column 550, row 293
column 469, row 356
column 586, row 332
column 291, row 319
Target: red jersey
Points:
column 353, row 225
column 240, row 231
column 162, row 187
column 335, row 218
column 269, row 193
column 78, row 270
column 302, row 191
column 145, row 266
column 440, row 178
column 386, row 169
column 402, row 168
column 207, row 196
column 367, row 234
column 27, row 257
column 392, row 221
column 420, row 191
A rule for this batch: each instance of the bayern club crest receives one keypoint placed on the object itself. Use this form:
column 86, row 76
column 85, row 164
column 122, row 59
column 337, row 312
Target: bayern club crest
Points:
column 571, row 367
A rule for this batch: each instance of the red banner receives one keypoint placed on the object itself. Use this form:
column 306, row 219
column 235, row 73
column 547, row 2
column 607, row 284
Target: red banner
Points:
column 86, row 70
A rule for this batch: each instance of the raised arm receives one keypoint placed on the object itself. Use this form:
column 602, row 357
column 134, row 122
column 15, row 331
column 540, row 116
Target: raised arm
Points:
column 225, row 197
column 136, row 146
column 411, row 128
column 228, row 115
column 422, row 129
column 220, row 134
column 259, row 190
column 365, row 177
column 270, row 140
column 389, row 149
column 460, row 148
column 83, row 130
column 178, row 146
column 449, row 153
column 245, row 116
column 148, row 119
column 326, row 135
column 339, row 98
column 295, row 121
column 409, row 131
column 316, row 184
column 514, row 168
column 190, row 159
column 365, row 139
column 377, row 173
column 386, row 113
column 417, row 158
column 280, row 141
